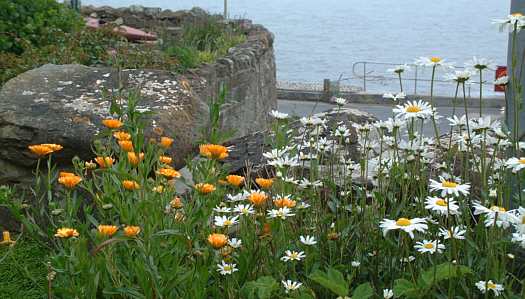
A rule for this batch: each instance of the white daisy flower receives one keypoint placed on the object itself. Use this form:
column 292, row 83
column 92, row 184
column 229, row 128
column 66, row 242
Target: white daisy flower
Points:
column 433, row 62
column 244, row 210
column 442, row 206
column 388, row 293
column 519, row 238
column 225, row 221
column 278, row 115
column 398, row 69
column 502, row 217
column 340, row 101
column 516, row 164
column 408, row 259
column 504, row 80
column 293, row 256
column 308, row 240
column 455, row 232
column 429, row 246
column 226, row 268
column 394, row 96
column 404, row 224
column 485, row 286
column 449, row 187
column 457, row 121
column 478, row 64
column 459, row 76
column 312, row 121
column 414, row 109
column 281, row 213
column 290, row 285
column 355, row 264
column 234, row 242
column 219, row 209
column 512, row 22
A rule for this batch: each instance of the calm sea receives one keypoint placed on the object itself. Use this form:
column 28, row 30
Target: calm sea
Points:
column 323, row 39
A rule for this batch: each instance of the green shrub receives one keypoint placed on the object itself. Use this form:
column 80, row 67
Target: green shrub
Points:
column 34, row 21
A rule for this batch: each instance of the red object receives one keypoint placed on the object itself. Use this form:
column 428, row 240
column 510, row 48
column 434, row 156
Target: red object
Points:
column 132, row 34
column 501, row 71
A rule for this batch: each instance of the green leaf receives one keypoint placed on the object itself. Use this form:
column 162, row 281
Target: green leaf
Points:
column 442, row 272
column 403, row 287
column 262, row 288
column 168, row 232
column 332, row 280
column 363, row 291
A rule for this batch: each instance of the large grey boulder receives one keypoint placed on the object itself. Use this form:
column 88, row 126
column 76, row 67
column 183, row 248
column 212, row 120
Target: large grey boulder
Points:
column 64, row 104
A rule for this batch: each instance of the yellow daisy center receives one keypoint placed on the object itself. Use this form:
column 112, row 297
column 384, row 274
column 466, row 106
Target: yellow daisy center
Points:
column 227, row 268
column 448, row 184
column 498, row 209
column 490, row 285
column 517, row 14
column 441, row 202
column 294, row 255
column 413, row 109
column 228, row 222
column 429, row 246
column 403, row 222
column 523, row 220
column 521, row 161
column 435, row 59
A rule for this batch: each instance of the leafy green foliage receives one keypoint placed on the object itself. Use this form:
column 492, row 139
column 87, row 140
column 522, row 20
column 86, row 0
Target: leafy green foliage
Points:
column 34, row 21
column 332, row 280
column 262, row 288
column 363, row 291
column 429, row 278
column 203, row 41
column 23, row 270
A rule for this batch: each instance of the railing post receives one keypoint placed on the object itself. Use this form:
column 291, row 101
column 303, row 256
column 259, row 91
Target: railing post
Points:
column 415, row 82
column 364, row 76
column 326, row 90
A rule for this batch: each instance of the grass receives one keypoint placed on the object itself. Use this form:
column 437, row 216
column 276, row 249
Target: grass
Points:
column 23, row 270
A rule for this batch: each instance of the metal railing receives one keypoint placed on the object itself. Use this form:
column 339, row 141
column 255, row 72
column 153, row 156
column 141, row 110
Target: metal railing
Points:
column 366, row 72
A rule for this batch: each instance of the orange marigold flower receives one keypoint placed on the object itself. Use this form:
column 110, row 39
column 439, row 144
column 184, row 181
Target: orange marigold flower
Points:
column 69, row 181
column 217, row 241
column 213, row 151
column 107, row 230
column 131, row 231
column 235, row 180
column 40, row 150
column 264, row 183
column 204, row 188
column 284, row 202
column 54, row 147
column 121, row 135
column 176, row 203
column 166, row 142
column 130, row 185
column 112, row 123
column 169, row 173
column 66, row 233
column 126, row 145
column 257, row 198
column 104, row 162
column 6, row 239
column 65, row 173
column 134, row 159
column 165, row 159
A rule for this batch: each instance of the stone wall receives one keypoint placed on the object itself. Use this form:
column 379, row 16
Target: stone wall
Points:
column 64, row 104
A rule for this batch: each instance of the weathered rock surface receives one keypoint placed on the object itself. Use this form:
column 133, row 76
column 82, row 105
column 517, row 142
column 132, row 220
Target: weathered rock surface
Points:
column 64, row 103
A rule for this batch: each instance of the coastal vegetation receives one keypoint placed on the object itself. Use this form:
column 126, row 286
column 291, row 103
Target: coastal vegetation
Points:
column 399, row 215
column 33, row 33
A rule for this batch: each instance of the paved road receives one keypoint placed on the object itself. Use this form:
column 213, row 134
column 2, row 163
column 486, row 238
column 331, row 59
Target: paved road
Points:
column 299, row 108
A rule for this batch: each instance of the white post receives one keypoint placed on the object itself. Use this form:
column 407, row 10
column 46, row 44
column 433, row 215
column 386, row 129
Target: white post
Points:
column 225, row 9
